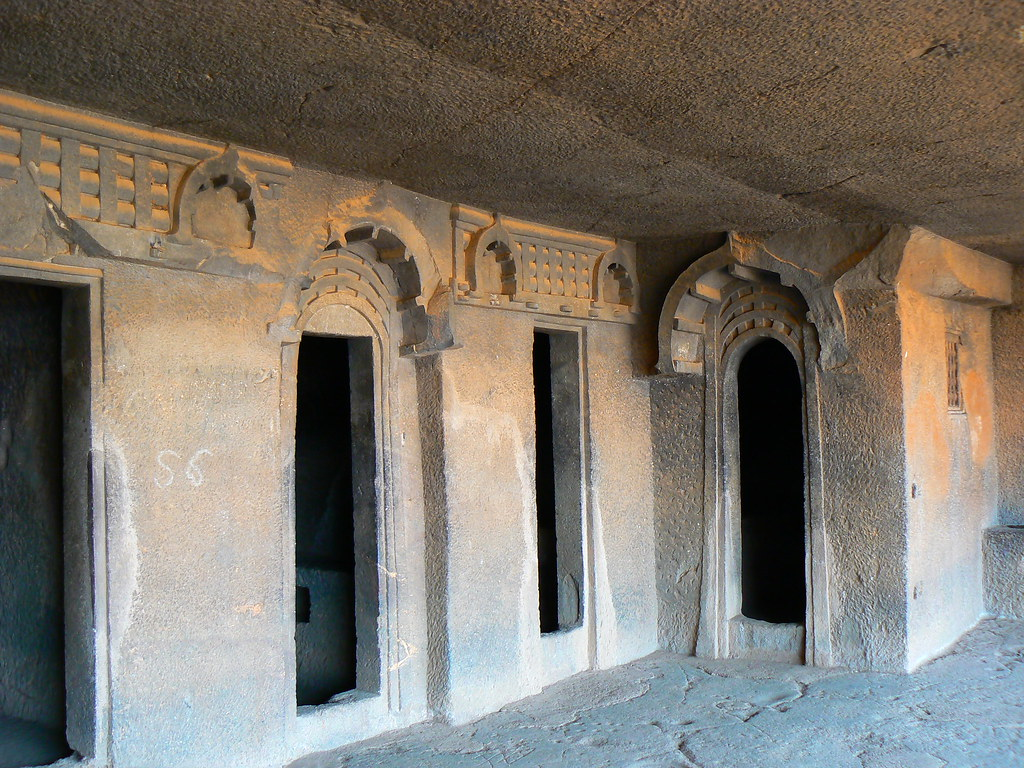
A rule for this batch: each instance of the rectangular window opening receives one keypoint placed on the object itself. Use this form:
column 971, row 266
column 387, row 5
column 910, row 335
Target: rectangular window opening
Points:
column 954, row 387
column 35, row 359
column 556, row 380
column 337, row 603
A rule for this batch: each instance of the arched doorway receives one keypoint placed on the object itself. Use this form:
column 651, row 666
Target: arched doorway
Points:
column 769, row 396
column 764, row 573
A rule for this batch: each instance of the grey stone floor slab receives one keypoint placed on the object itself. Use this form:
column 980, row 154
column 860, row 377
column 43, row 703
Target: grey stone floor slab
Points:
column 965, row 709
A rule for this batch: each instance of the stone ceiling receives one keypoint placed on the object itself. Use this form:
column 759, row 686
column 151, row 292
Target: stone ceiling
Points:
column 636, row 118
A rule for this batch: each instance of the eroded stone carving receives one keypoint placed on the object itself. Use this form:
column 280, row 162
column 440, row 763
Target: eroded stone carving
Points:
column 617, row 285
column 723, row 301
column 491, row 268
column 115, row 172
column 31, row 221
column 514, row 264
column 215, row 203
column 829, row 256
column 370, row 268
column 377, row 233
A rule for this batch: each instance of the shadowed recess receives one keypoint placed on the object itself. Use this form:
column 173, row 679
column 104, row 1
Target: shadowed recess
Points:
column 335, row 605
column 772, row 484
column 32, row 691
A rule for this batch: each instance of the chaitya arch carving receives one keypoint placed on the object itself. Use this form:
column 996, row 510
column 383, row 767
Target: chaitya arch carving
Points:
column 718, row 310
column 371, row 269
column 216, row 202
column 491, row 267
column 495, row 270
column 374, row 233
column 616, row 286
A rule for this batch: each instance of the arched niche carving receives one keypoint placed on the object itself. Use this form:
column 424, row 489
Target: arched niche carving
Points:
column 340, row 276
column 370, row 268
column 494, row 270
column 374, row 242
column 491, row 266
column 379, row 228
column 691, row 318
column 615, row 290
column 617, row 285
column 216, row 202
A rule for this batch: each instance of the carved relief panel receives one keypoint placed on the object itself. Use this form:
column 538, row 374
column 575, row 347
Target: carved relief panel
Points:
column 109, row 171
column 514, row 264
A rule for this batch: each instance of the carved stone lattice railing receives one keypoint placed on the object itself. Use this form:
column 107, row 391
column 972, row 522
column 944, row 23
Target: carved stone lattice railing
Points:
column 514, row 264
column 111, row 171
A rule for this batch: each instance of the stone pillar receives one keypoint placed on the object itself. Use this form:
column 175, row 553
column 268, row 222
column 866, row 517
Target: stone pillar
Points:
column 863, row 474
column 946, row 294
column 1008, row 362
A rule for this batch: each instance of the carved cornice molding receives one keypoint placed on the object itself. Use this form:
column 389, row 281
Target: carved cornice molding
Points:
column 518, row 265
column 101, row 169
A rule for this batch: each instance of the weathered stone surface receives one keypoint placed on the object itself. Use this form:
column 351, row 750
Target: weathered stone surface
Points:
column 1004, row 571
column 964, row 709
column 1008, row 364
column 634, row 119
column 191, row 271
column 951, row 492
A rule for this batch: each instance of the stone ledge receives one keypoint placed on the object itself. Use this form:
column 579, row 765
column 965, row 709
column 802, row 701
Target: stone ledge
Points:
column 1004, row 571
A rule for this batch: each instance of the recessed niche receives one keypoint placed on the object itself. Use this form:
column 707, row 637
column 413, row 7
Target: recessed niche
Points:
column 558, row 479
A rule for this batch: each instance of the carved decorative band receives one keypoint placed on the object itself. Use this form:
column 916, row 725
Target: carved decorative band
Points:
column 100, row 169
column 514, row 264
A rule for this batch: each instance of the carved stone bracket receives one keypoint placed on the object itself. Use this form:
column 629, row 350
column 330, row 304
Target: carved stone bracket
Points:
column 514, row 264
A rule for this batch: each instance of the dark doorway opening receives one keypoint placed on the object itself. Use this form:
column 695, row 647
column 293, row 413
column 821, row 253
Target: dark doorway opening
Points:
column 335, row 519
column 558, row 479
column 547, row 530
column 33, row 694
column 771, row 406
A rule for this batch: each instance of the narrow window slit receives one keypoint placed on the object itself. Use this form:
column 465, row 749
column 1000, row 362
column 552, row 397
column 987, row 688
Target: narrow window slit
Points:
column 954, row 387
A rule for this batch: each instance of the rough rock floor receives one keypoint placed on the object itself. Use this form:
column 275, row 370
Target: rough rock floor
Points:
column 964, row 709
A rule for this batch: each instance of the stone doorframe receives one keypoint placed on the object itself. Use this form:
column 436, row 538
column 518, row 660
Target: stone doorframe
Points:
column 356, row 287
column 717, row 309
column 87, row 564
